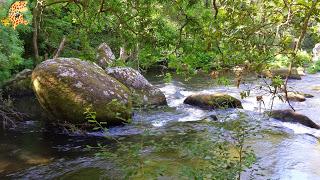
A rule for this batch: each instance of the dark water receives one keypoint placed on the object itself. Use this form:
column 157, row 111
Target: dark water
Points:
column 285, row 151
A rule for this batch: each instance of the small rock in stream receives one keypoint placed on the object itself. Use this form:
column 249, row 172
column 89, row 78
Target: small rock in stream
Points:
column 213, row 101
column 293, row 117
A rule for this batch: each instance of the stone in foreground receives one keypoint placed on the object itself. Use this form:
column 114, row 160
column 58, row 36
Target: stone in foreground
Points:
column 289, row 115
column 65, row 87
column 213, row 101
column 142, row 91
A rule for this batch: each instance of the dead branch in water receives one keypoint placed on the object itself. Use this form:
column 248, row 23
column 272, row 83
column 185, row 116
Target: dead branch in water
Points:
column 8, row 116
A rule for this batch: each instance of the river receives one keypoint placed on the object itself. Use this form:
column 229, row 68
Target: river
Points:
column 284, row 150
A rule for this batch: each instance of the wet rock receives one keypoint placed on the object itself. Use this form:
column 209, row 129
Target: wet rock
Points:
column 301, row 71
column 105, row 56
column 213, row 101
column 283, row 72
column 296, row 97
column 66, row 86
column 293, row 117
column 212, row 117
column 19, row 85
column 142, row 91
column 30, row 158
column 316, row 88
column 306, row 95
column 316, row 52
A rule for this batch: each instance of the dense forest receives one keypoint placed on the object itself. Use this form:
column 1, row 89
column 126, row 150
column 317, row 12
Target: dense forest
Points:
column 184, row 35
column 148, row 89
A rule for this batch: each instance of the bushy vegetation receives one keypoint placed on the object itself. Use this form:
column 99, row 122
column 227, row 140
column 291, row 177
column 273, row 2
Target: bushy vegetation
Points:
column 314, row 67
column 12, row 50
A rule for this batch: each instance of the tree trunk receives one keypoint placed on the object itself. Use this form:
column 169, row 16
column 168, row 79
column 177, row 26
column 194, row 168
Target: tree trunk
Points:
column 61, row 46
column 298, row 44
column 35, row 36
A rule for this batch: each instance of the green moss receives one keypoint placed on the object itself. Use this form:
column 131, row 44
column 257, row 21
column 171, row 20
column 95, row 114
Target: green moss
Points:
column 60, row 96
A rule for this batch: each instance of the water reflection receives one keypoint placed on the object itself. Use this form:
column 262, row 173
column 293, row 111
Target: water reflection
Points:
column 285, row 151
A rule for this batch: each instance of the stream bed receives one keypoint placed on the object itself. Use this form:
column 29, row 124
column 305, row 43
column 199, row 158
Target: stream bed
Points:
column 283, row 150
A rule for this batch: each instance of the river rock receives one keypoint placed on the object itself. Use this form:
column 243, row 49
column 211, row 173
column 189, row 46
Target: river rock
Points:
column 301, row 71
column 105, row 56
column 19, row 85
column 282, row 72
column 142, row 91
column 296, row 97
column 213, row 101
column 306, row 95
column 65, row 87
column 293, row 117
column 316, row 52
column 316, row 88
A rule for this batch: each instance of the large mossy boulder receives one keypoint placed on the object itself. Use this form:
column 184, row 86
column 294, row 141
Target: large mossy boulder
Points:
column 289, row 115
column 105, row 56
column 65, row 87
column 142, row 91
column 19, row 85
column 282, row 72
column 213, row 101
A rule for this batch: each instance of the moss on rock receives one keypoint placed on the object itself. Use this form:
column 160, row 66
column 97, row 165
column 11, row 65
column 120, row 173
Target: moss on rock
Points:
column 213, row 101
column 142, row 91
column 66, row 86
column 282, row 72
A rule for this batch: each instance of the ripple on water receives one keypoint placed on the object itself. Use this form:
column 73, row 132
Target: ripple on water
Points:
column 286, row 151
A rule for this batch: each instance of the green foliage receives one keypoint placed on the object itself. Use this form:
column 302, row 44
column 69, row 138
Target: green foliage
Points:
column 186, row 35
column 223, row 81
column 168, row 78
column 280, row 61
column 11, row 46
column 245, row 94
column 302, row 58
column 314, row 67
column 277, row 82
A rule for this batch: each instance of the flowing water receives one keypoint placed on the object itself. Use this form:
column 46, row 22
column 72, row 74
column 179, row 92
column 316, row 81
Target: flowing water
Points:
column 284, row 150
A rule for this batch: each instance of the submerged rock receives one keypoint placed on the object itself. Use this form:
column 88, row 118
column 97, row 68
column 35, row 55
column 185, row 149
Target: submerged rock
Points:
column 293, row 117
column 282, row 72
column 142, row 91
column 19, row 85
column 105, row 56
column 213, row 101
column 66, row 86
